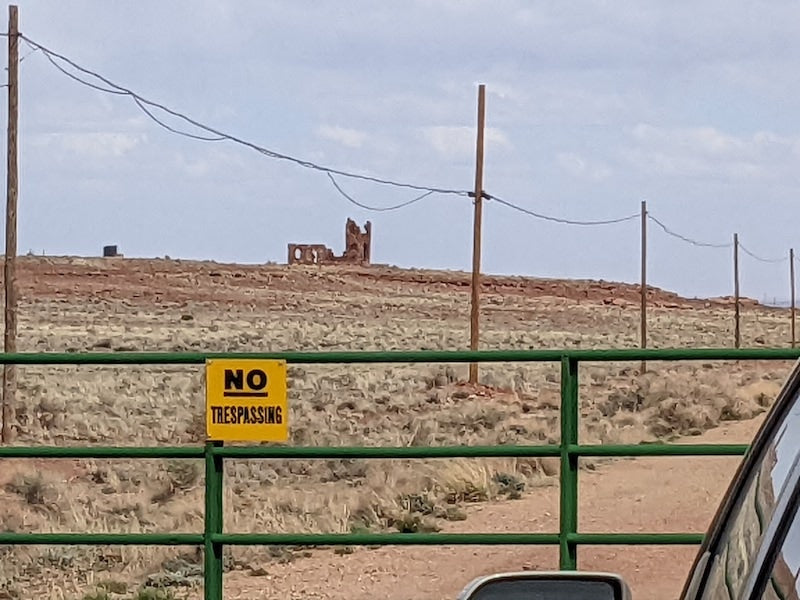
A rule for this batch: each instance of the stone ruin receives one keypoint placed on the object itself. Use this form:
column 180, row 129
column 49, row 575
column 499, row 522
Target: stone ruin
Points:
column 356, row 252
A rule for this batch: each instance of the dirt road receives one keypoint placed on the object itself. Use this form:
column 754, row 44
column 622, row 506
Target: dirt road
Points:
column 672, row 494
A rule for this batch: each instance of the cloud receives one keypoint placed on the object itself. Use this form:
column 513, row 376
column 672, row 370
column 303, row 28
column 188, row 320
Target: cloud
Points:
column 705, row 140
column 459, row 141
column 352, row 138
column 578, row 166
column 92, row 145
column 707, row 151
column 668, row 101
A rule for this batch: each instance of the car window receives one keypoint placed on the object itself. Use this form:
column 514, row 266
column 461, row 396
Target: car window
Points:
column 783, row 582
column 733, row 557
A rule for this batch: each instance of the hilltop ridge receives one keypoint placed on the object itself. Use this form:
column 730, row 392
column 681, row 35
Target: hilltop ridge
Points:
column 177, row 280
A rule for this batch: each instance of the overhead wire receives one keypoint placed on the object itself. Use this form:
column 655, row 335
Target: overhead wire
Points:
column 375, row 208
column 119, row 90
column 759, row 258
column 78, row 79
column 142, row 103
column 688, row 240
column 193, row 136
column 558, row 219
column 33, row 51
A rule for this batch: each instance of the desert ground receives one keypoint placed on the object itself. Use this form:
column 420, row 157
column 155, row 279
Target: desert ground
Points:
column 115, row 305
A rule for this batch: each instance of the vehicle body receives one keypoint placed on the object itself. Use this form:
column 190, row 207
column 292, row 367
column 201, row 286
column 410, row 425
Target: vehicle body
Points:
column 751, row 550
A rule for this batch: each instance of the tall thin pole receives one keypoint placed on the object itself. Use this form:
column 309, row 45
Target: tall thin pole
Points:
column 10, row 337
column 791, row 280
column 736, row 331
column 644, row 282
column 476, row 233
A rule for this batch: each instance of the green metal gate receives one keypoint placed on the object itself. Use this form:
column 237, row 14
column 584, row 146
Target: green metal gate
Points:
column 569, row 450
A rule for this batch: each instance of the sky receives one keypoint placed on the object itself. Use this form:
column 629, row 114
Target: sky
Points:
column 591, row 108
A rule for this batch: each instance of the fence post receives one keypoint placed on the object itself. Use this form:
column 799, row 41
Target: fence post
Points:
column 737, row 336
column 791, row 281
column 474, row 336
column 568, row 510
column 213, row 563
column 643, row 315
column 10, row 262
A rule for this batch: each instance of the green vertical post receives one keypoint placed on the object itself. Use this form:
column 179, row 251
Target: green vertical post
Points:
column 212, row 576
column 568, row 510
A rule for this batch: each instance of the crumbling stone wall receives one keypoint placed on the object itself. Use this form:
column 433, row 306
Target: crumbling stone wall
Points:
column 357, row 244
column 357, row 248
column 309, row 254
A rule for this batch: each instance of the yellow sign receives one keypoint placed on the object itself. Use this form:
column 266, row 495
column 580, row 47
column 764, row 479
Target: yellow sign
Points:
column 246, row 400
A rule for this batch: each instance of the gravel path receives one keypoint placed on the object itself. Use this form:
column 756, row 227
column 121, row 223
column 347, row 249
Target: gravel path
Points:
column 675, row 494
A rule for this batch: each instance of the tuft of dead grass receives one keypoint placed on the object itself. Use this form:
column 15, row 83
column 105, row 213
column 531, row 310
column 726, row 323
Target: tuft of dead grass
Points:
column 686, row 402
column 373, row 405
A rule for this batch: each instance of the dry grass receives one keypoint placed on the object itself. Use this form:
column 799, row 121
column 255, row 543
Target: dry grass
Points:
column 406, row 405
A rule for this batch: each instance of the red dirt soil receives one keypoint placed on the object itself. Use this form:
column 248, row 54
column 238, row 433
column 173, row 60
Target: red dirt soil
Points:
column 166, row 281
column 661, row 494
column 656, row 494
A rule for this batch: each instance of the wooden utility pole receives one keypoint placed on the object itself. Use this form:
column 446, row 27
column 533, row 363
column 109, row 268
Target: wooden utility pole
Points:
column 791, row 280
column 644, row 282
column 10, row 337
column 476, row 234
column 736, row 331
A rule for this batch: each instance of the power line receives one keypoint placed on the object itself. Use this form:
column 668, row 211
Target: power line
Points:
column 142, row 103
column 119, row 90
column 759, row 258
column 27, row 55
column 374, row 208
column 74, row 77
column 708, row 245
column 202, row 138
column 138, row 102
column 558, row 219
column 684, row 238
column 33, row 51
column 629, row 218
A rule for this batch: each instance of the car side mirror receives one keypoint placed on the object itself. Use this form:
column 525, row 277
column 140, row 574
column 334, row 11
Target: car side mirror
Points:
column 560, row 585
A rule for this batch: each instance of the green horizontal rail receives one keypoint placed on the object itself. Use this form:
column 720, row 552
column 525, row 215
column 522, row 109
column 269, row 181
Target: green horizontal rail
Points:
column 101, row 539
column 628, row 450
column 153, row 452
column 345, row 539
column 636, row 539
column 425, row 356
column 213, row 539
column 384, row 452
column 452, row 539
column 384, row 539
